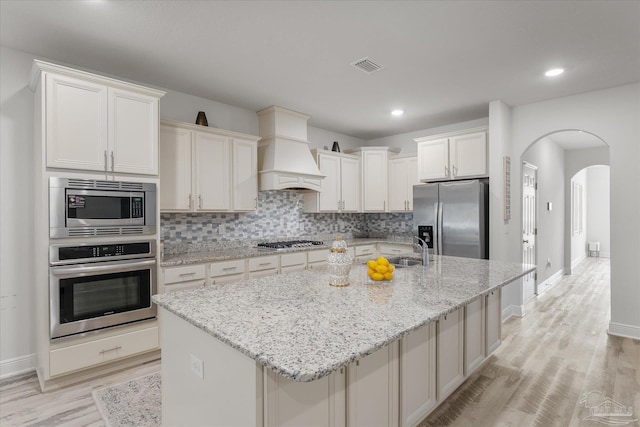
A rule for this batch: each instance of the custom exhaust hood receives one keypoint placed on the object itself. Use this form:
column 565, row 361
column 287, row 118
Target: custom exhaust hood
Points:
column 285, row 161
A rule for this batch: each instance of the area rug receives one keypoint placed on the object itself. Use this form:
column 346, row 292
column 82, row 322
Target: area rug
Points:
column 134, row 403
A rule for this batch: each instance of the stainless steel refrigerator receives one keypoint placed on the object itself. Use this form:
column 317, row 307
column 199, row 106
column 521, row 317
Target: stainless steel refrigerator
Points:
column 453, row 217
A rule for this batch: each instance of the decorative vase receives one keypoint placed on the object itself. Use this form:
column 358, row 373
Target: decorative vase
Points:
column 202, row 119
column 336, row 147
column 339, row 263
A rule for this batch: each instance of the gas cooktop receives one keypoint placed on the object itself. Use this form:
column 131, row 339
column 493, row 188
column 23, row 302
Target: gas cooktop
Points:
column 290, row 244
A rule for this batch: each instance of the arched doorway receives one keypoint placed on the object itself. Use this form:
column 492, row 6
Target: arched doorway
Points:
column 559, row 156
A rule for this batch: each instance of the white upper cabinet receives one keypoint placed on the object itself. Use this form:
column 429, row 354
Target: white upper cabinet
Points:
column 374, row 164
column 207, row 169
column 458, row 156
column 403, row 175
column 340, row 189
column 96, row 123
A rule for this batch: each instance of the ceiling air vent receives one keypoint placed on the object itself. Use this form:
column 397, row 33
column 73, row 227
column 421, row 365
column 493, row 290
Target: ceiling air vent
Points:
column 366, row 65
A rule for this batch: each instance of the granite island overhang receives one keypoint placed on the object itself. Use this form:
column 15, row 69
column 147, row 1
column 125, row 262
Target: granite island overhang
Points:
column 302, row 329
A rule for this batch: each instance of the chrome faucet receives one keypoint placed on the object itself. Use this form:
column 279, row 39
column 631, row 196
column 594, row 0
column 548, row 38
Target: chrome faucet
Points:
column 423, row 248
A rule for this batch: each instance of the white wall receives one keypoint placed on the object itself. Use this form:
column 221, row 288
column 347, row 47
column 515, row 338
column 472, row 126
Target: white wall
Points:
column 17, row 346
column 614, row 116
column 407, row 145
column 598, row 217
column 321, row 138
column 579, row 239
column 549, row 158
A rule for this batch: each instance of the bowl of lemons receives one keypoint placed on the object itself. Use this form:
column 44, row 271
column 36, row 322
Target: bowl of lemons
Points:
column 380, row 270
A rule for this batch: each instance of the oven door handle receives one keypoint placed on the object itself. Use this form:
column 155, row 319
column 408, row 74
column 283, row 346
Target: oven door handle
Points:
column 103, row 267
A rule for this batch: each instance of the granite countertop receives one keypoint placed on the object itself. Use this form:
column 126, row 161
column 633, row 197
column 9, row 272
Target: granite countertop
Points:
column 239, row 252
column 304, row 329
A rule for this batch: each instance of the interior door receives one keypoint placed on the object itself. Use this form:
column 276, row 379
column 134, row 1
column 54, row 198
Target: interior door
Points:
column 529, row 226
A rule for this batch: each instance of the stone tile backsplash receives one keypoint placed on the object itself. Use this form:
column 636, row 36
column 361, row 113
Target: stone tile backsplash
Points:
column 279, row 215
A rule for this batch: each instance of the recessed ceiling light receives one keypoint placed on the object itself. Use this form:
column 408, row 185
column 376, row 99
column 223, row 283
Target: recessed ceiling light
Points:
column 397, row 112
column 554, row 72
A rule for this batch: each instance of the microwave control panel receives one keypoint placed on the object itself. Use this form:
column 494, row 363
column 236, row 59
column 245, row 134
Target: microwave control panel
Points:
column 91, row 252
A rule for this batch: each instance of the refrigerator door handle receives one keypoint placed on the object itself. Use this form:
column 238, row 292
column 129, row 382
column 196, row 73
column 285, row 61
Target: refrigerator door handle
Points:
column 439, row 219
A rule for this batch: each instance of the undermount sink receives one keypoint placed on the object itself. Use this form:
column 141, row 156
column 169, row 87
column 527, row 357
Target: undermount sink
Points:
column 404, row 261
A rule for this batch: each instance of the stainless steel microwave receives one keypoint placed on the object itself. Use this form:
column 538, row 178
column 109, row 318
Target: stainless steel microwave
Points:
column 89, row 208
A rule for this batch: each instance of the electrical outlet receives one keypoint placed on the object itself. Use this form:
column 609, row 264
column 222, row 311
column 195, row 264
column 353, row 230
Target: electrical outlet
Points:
column 548, row 262
column 197, row 367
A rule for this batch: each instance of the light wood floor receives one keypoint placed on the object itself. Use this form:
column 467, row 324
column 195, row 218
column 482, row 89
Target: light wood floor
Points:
column 548, row 360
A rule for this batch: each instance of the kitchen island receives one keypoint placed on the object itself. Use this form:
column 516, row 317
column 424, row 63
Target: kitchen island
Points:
column 292, row 350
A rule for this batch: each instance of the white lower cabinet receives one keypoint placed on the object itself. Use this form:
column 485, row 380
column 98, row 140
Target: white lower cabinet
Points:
column 296, row 261
column 372, row 389
column 450, row 353
column 316, row 403
column 318, row 258
column 365, row 252
column 186, row 277
column 393, row 249
column 418, row 375
column 263, row 266
column 493, row 320
column 227, row 271
column 474, row 336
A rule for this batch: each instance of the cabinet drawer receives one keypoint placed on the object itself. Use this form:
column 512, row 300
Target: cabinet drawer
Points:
column 317, row 256
column 184, row 285
column 183, row 274
column 225, row 268
column 104, row 350
column 365, row 250
column 391, row 249
column 263, row 263
column 288, row 260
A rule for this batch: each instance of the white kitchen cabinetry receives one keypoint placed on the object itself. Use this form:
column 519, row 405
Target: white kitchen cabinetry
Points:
column 393, row 249
column 323, row 403
column 263, row 266
column 296, row 261
column 340, row 189
column 317, row 258
column 450, row 353
column 493, row 320
column 403, row 175
column 455, row 156
column 474, row 336
column 206, row 170
column 364, row 252
column 227, row 271
column 185, row 277
column 96, row 123
column 372, row 389
column 374, row 165
column 418, row 375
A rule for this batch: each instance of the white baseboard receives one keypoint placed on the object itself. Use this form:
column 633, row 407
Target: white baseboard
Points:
column 604, row 254
column 578, row 260
column 511, row 311
column 18, row 365
column 625, row 331
column 542, row 287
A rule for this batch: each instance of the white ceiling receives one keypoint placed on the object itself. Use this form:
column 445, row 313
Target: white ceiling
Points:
column 443, row 60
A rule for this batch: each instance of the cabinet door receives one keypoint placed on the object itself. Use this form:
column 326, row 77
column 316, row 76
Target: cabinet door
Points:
column 468, row 155
column 398, row 185
column 474, row 335
column 433, row 159
column 450, row 350
column 76, row 123
column 245, row 175
column 330, row 186
column 372, row 389
column 412, row 179
column 418, row 375
column 133, row 132
column 493, row 321
column 374, row 182
column 350, row 185
column 314, row 403
column 212, row 175
column 175, row 169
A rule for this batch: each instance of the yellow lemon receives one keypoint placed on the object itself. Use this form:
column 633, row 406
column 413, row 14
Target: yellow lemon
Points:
column 372, row 264
column 391, row 268
column 383, row 261
column 371, row 272
column 381, row 269
column 377, row 277
column 388, row 276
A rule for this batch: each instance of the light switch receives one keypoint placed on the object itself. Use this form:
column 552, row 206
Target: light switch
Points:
column 197, row 367
column 549, row 206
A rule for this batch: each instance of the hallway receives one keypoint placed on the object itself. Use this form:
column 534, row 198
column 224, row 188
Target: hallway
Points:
column 549, row 360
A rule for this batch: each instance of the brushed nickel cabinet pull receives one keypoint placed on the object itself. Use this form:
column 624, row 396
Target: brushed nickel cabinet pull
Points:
column 229, row 268
column 190, row 201
column 187, row 274
column 446, row 170
column 106, row 163
column 112, row 162
column 199, row 201
column 116, row 348
column 262, row 264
